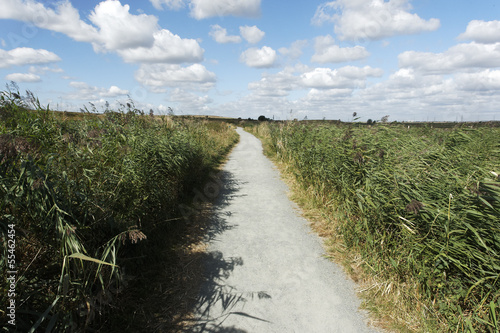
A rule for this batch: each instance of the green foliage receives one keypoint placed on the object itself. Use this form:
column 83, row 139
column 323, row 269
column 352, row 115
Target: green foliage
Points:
column 418, row 204
column 87, row 196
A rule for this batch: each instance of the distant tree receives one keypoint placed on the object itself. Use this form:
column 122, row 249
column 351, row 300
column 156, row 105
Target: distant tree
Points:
column 262, row 118
column 385, row 119
column 369, row 122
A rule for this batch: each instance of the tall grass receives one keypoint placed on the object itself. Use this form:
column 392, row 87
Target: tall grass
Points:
column 89, row 197
column 420, row 206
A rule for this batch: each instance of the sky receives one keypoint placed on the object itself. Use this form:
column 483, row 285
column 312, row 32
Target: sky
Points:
column 418, row 60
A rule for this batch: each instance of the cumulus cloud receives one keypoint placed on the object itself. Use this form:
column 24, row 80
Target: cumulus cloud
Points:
column 457, row 58
column 324, row 96
column 137, row 38
column 167, row 48
column 348, row 77
column 65, row 19
column 220, row 35
column 327, row 51
column 264, row 57
column 334, row 82
column 118, row 29
column 487, row 80
column 170, row 4
column 201, row 9
column 23, row 77
column 26, row 56
column 114, row 27
column 482, row 32
column 372, row 19
column 190, row 102
column 279, row 84
column 253, row 35
column 295, row 49
column 86, row 92
column 159, row 76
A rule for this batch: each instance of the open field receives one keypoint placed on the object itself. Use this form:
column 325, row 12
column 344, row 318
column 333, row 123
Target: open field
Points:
column 90, row 206
column 412, row 213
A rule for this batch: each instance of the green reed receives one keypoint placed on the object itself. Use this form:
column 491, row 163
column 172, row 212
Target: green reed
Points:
column 89, row 197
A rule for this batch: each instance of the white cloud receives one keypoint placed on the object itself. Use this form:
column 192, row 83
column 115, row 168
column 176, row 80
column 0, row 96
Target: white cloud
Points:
column 118, row 29
column 457, row 58
column 114, row 27
column 189, row 102
column 482, row 32
column 220, row 35
column 23, row 77
column 252, row 34
column 487, row 80
column 338, row 82
column 137, row 38
column 167, row 48
column 44, row 69
column 372, row 19
column 325, row 96
column 327, row 51
column 201, row 9
column 295, row 49
column 65, row 19
column 26, row 56
column 279, row 84
column 114, row 91
column 170, row 4
column 87, row 92
column 264, row 57
column 348, row 77
column 159, row 76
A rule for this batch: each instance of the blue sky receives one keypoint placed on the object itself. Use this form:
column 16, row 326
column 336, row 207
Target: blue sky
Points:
column 411, row 60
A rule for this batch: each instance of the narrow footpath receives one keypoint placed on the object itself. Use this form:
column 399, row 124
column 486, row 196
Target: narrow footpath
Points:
column 266, row 271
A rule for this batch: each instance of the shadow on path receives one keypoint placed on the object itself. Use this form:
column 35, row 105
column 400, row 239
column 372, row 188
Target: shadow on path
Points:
column 215, row 293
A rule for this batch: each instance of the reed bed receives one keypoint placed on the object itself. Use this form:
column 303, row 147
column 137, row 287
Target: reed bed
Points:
column 416, row 209
column 90, row 197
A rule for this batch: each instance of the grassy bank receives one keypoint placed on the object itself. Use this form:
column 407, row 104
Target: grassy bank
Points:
column 413, row 213
column 94, row 202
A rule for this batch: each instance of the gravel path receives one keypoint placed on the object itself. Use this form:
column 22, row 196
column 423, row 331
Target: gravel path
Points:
column 265, row 271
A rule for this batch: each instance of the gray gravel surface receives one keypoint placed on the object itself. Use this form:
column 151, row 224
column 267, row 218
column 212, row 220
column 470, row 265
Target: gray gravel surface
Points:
column 265, row 270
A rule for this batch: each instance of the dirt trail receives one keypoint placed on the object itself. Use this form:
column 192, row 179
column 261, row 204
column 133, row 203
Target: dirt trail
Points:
column 266, row 272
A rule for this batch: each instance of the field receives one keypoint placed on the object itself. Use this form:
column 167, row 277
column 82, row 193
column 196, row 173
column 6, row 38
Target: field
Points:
column 91, row 205
column 412, row 213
